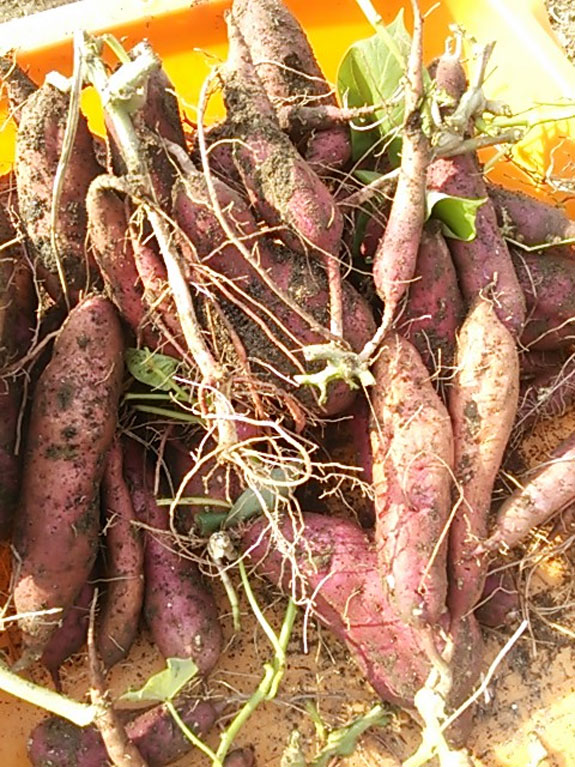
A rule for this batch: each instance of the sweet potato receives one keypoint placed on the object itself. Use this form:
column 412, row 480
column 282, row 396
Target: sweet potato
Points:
column 74, row 414
column 155, row 733
column 17, row 322
column 38, row 150
column 548, row 282
column 545, row 492
column 434, row 308
column 549, row 395
column 179, row 610
column 499, row 604
column 70, row 637
column 18, row 85
column 334, row 564
column 395, row 259
column 286, row 65
column 281, row 185
column 483, row 265
column 113, row 252
column 123, row 565
column 482, row 402
column 412, row 446
column 240, row 757
column 292, row 274
column 529, row 220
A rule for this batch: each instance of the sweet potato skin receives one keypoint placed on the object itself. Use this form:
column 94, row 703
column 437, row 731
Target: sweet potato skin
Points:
column 38, row 150
column 482, row 402
column 412, row 447
column 113, row 252
column 550, row 489
column 17, row 322
column 548, row 282
column 279, row 182
column 292, row 273
column 71, row 635
column 288, row 69
column 483, row 265
column 529, row 220
column 155, row 733
column 434, row 309
column 72, row 423
column 124, row 565
column 179, row 609
column 338, row 566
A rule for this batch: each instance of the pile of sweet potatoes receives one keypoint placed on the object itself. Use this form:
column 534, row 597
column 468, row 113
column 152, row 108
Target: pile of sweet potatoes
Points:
column 219, row 258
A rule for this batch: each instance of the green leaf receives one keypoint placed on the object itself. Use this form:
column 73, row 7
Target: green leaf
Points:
column 343, row 741
column 456, row 214
column 370, row 73
column 151, row 368
column 166, row 683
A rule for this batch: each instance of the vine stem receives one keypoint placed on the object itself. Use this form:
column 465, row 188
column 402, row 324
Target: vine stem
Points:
column 117, row 102
column 273, row 671
column 80, row 714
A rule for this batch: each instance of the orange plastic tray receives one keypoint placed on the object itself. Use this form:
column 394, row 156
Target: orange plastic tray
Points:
column 528, row 65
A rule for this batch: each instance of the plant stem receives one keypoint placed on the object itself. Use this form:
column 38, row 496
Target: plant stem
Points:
column 192, row 737
column 80, row 714
column 273, row 673
column 174, row 414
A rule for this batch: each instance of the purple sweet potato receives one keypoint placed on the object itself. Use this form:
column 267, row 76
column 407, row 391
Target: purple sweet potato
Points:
column 72, row 424
column 499, row 604
column 529, row 220
column 545, row 491
column 70, row 637
column 17, row 83
column 483, row 265
column 337, row 569
column 179, row 610
column 286, row 65
column 112, row 250
column 240, row 757
column 483, row 400
column 123, row 565
column 548, row 282
column 282, row 186
column 38, row 151
column 159, row 739
column 434, row 309
column 17, row 322
column 412, row 448
column 292, row 274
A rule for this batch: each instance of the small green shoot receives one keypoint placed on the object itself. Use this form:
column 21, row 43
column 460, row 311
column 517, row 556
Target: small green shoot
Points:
column 340, row 365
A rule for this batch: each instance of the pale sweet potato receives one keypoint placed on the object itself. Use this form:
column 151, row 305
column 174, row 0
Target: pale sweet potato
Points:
column 545, row 492
column 482, row 402
column 336, row 568
column 72, row 424
column 412, row 447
